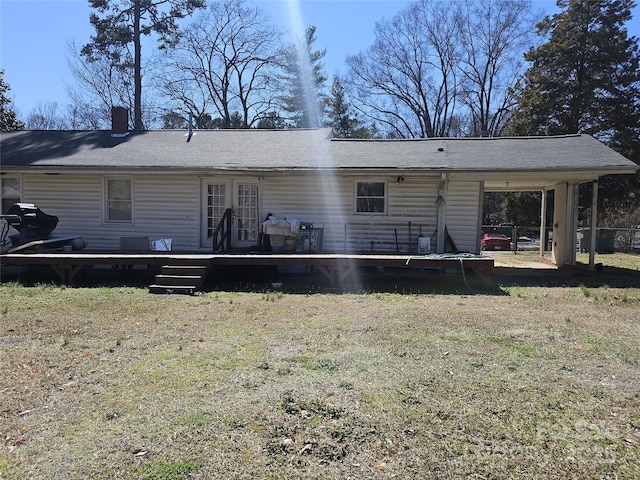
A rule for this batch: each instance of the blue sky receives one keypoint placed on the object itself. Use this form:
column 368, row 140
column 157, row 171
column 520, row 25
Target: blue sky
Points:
column 34, row 35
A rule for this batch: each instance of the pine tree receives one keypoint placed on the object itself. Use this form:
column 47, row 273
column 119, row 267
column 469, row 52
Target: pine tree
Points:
column 345, row 124
column 8, row 118
column 304, row 80
column 123, row 23
column 585, row 78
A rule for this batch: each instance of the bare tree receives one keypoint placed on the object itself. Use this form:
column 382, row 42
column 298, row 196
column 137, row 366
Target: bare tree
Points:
column 47, row 116
column 406, row 81
column 224, row 63
column 100, row 84
column 443, row 68
column 492, row 35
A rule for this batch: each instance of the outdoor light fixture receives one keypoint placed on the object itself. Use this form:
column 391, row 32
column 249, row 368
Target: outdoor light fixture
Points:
column 399, row 179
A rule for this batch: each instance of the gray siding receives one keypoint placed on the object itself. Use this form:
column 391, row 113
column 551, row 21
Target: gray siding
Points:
column 169, row 206
column 75, row 199
column 463, row 214
column 328, row 202
column 165, row 206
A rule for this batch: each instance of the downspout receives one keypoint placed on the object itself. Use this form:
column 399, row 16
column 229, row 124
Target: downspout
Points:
column 594, row 222
column 441, row 202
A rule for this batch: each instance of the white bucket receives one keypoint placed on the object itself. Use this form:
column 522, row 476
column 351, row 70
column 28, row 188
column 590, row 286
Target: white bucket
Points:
column 424, row 245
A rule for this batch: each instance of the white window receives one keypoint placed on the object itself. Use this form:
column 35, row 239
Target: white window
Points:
column 119, row 199
column 371, row 197
column 11, row 191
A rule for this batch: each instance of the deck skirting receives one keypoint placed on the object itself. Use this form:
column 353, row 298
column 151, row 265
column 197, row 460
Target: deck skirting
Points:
column 335, row 267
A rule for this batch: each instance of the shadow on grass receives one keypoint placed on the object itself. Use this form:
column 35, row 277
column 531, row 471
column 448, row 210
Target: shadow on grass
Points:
column 363, row 281
column 34, row 275
column 607, row 276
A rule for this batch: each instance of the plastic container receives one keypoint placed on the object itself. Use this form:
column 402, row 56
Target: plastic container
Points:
column 424, row 245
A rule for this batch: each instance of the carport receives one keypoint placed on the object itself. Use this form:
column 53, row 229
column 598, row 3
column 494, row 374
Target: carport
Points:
column 565, row 210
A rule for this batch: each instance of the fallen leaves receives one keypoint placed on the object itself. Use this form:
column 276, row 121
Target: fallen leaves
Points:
column 29, row 367
column 13, row 442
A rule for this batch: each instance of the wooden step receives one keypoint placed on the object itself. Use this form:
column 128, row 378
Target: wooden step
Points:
column 173, row 289
column 179, row 280
column 199, row 270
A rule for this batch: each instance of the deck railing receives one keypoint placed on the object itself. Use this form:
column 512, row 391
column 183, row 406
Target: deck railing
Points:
column 222, row 233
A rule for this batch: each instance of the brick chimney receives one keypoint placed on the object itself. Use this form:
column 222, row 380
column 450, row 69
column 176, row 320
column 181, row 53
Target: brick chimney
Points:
column 119, row 121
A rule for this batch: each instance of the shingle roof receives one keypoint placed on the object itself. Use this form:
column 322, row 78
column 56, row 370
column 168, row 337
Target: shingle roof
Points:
column 301, row 149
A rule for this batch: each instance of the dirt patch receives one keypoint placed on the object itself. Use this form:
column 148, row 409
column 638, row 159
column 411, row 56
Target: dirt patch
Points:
column 13, row 340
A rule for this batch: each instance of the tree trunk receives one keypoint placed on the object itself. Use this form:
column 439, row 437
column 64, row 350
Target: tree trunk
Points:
column 137, row 94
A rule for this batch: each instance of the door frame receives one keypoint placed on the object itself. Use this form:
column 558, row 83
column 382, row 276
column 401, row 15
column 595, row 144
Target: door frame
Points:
column 231, row 201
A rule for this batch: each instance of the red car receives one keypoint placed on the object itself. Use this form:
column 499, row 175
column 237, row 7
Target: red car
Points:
column 495, row 241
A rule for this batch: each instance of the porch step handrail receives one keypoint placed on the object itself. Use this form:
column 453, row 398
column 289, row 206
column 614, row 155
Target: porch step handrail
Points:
column 222, row 233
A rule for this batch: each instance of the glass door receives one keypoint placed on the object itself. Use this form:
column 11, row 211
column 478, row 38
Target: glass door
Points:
column 216, row 198
column 246, row 211
column 242, row 196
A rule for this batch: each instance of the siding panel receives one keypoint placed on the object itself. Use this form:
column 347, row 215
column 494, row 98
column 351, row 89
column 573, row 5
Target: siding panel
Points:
column 463, row 214
column 75, row 199
column 329, row 202
column 168, row 206
column 165, row 206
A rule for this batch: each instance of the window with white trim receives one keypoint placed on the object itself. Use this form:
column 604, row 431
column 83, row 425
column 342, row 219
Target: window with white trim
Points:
column 118, row 199
column 371, row 197
column 11, row 191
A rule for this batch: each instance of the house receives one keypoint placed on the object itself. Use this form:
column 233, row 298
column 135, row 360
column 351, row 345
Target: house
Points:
column 363, row 195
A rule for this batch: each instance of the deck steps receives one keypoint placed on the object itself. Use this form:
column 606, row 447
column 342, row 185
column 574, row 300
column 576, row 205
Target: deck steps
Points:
column 179, row 279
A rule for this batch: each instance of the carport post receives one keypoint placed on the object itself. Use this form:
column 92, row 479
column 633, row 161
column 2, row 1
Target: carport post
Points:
column 594, row 221
column 560, row 213
column 543, row 222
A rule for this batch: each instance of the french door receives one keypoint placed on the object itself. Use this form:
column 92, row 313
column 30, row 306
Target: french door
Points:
column 242, row 196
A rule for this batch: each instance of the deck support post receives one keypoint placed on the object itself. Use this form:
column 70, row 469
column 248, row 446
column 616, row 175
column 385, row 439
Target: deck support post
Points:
column 66, row 273
column 335, row 273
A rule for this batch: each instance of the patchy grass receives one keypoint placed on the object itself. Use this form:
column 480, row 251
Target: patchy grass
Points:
column 521, row 382
column 617, row 260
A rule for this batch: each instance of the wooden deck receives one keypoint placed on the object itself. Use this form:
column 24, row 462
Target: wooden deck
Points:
column 335, row 267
